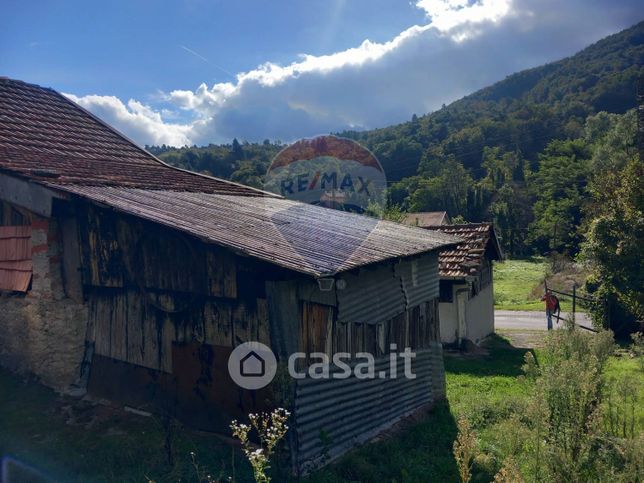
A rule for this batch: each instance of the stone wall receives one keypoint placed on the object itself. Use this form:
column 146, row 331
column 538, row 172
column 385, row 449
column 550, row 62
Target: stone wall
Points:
column 43, row 332
column 43, row 337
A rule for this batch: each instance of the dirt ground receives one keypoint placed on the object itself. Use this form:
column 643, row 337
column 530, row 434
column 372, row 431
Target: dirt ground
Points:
column 523, row 338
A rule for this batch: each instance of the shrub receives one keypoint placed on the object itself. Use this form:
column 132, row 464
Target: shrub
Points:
column 465, row 449
column 509, row 472
column 565, row 413
column 271, row 428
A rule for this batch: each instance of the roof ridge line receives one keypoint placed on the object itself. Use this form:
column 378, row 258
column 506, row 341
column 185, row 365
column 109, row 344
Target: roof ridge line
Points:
column 144, row 151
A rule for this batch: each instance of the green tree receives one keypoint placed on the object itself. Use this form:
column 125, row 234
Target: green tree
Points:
column 560, row 190
column 614, row 243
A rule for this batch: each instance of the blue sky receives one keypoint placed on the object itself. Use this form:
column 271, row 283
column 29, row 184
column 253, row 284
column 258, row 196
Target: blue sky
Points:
column 200, row 71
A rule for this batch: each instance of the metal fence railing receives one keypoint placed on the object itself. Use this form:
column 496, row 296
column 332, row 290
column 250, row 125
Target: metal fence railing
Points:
column 577, row 302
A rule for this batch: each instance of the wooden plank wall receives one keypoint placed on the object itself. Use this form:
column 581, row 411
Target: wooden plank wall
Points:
column 150, row 287
column 415, row 328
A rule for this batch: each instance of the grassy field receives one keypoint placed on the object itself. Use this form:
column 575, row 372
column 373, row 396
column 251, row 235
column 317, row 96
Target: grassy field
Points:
column 89, row 443
column 514, row 284
column 519, row 284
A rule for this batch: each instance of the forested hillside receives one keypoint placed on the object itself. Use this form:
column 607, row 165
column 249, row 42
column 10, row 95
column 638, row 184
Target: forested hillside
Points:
column 520, row 114
column 523, row 152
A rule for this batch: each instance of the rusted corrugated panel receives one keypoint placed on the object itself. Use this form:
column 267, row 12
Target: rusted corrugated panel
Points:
column 15, row 258
column 352, row 411
column 15, row 242
column 14, row 280
column 305, row 238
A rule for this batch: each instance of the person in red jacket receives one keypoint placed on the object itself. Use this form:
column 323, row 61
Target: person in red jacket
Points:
column 551, row 305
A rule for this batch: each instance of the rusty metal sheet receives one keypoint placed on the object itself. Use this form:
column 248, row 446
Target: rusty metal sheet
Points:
column 15, row 243
column 14, row 280
column 304, row 238
column 15, row 258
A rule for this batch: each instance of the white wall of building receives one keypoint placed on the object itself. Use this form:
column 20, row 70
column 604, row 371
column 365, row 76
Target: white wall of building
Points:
column 479, row 316
column 448, row 322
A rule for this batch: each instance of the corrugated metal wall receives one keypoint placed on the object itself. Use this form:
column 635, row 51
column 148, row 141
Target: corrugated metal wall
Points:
column 333, row 415
column 371, row 295
column 15, row 258
column 420, row 280
column 374, row 294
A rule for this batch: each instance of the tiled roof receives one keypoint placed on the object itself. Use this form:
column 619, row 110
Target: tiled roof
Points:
column 45, row 136
column 467, row 258
column 424, row 219
column 52, row 141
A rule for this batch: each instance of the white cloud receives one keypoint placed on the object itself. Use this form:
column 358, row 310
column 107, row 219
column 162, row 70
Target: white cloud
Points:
column 465, row 45
column 136, row 120
column 458, row 17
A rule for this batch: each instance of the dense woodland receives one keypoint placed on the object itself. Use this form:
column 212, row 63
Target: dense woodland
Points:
column 548, row 154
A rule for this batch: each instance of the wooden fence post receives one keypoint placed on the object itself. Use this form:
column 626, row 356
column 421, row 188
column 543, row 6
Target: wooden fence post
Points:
column 574, row 301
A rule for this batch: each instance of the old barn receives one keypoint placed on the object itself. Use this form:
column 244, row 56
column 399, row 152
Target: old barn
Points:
column 134, row 280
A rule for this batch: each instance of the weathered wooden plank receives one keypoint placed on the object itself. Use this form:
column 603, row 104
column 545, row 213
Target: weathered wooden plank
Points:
column 357, row 338
column 152, row 335
column 218, row 324
column 381, row 335
column 102, row 317
column 263, row 325
column 221, row 274
column 166, row 346
column 102, row 259
column 414, row 327
column 370, row 337
column 118, row 332
column 241, row 323
column 342, row 342
column 135, row 321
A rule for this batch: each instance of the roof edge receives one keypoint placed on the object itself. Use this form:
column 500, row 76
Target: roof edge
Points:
column 144, row 151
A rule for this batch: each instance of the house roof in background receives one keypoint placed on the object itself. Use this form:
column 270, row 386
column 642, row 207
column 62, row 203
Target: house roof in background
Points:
column 46, row 137
column 424, row 219
column 50, row 140
column 466, row 259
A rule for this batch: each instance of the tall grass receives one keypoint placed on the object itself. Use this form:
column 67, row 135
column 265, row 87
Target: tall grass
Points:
column 578, row 424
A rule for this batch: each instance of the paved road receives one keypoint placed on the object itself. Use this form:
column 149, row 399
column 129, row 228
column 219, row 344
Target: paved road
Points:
column 521, row 319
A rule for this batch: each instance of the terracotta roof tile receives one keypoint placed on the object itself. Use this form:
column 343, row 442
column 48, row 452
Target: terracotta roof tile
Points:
column 46, row 137
column 466, row 259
